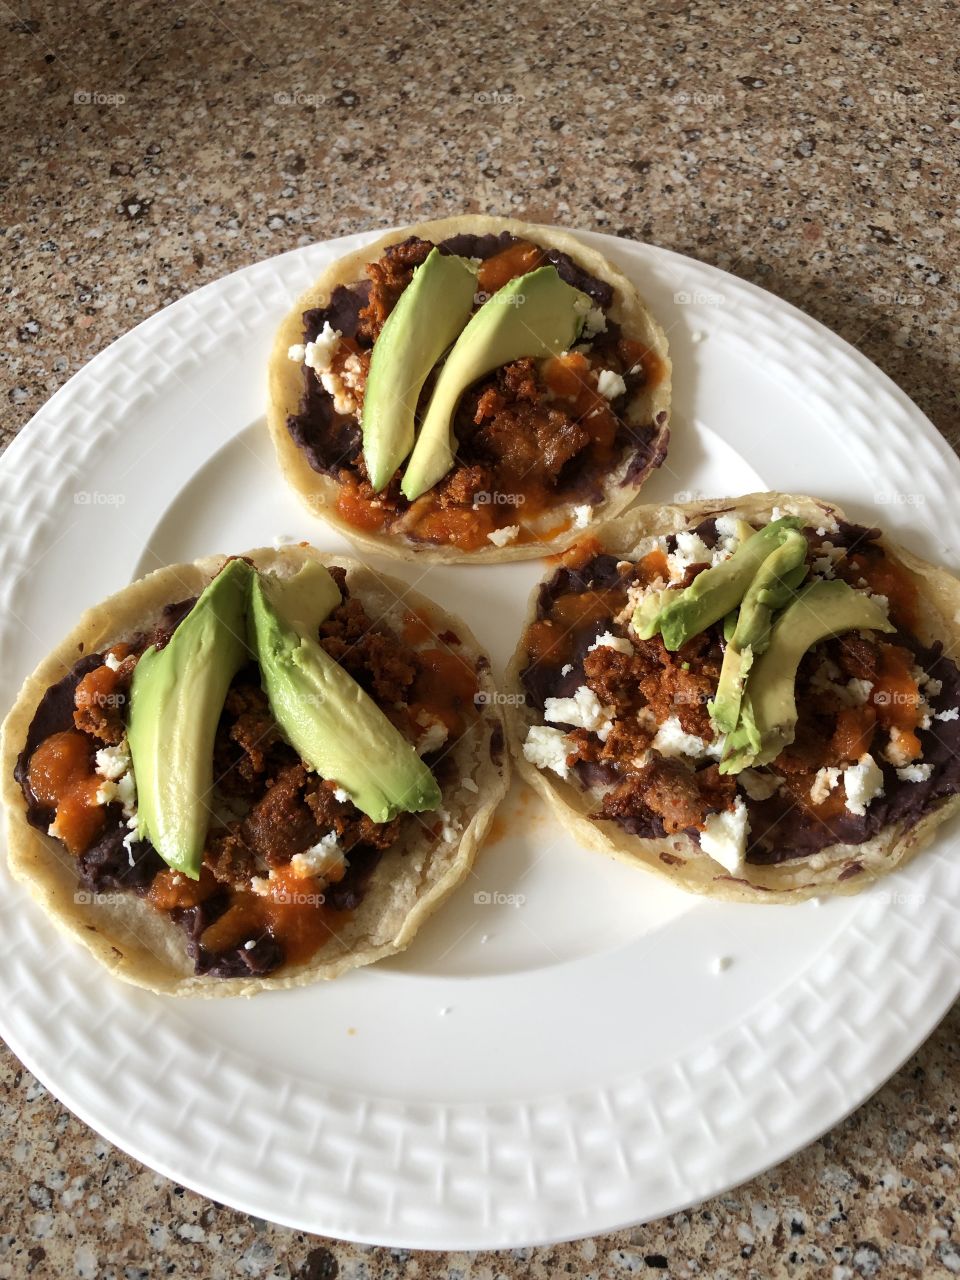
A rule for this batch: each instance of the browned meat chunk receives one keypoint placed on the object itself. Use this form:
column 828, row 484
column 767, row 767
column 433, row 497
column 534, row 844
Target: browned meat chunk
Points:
column 463, row 484
column 858, row 657
column 378, row 661
column 230, row 859
column 667, row 788
column 352, row 826
column 389, row 276
column 519, row 380
column 100, row 700
column 529, row 442
column 627, row 740
column 584, row 745
column 613, row 676
column 281, row 824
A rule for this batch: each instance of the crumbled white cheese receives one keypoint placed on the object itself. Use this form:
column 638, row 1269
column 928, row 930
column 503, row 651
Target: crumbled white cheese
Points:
column 855, row 693
column 582, row 516
column 451, row 826
column 318, row 354
column 672, row 740
column 824, row 782
column 881, row 601
column 610, row 384
column 609, row 641
column 863, row 782
column 547, row 749
column 433, row 738
column 759, row 785
column 566, row 668
column 583, row 711
column 727, row 526
column 123, row 791
column 823, row 566
column 594, row 322
column 915, row 772
column 728, row 539
column 322, row 859
column 249, row 944
column 296, row 352
column 340, row 794
column 952, row 714
column 112, row 661
column 500, row 537
column 690, row 549
column 724, row 836
column 113, row 762
column 343, row 401
column 895, row 751
column 859, row 691
column 931, row 686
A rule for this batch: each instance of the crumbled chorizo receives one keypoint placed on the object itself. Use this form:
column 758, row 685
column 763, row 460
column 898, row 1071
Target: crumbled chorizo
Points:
column 281, row 824
column 613, row 676
column 519, row 380
column 627, row 740
column 858, row 657
column 378, row 661
column 99, row 701
column 389, row 276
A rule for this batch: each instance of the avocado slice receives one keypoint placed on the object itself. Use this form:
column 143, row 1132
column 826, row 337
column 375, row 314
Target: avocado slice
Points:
column 176, row 698
column 429, row 314
column 536, row 314
column 335, row 726
column 772, row 586
column 680, row 615
column 768, row 714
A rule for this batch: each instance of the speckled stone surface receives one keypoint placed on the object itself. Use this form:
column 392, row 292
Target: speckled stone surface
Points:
column 150, row 148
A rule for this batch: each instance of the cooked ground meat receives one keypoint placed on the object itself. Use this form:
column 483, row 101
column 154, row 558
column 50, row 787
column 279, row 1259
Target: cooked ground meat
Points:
column 377, row 659
column 528, row 442
column 389, row 276
column 627, row 740
column 100, row 701
column 857, row 657
column 613, row 676
column 461, row 487
column 671, row 684
column 281, row 824
column 352, row 827
column 247, row 740
column 666, row 787
column 231, row 860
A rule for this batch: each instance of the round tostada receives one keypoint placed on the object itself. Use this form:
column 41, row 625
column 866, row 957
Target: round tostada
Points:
column 753, row 697
column 469, row 389
column 252, row 772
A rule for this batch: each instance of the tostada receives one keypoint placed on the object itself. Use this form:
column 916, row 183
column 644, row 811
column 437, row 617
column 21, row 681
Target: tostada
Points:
column 755, row 697
column 252, row 772
column 470, row 389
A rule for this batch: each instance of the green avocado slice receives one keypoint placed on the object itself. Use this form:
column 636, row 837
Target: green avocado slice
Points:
column 680, row 615
column 772, row 586
column 176, row 698
column 327, row 717
column 429, row 314
column 768, row 713
column 536, row 314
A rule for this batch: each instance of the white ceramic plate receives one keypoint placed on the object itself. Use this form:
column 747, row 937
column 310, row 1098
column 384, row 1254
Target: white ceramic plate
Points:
column 553, row 1056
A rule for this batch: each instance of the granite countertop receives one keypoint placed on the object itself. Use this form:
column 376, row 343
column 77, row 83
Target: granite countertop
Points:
column 815, row 154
